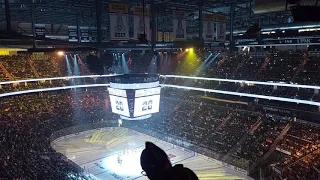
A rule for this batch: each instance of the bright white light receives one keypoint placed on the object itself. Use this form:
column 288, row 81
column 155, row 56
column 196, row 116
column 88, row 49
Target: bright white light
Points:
column 245, row 94
column 57, row 78
column 146, row 105
column 125, row 163
column 174, row 76
column 244, row 81
column 60, row 53
column 52, row 89
column 119, row 122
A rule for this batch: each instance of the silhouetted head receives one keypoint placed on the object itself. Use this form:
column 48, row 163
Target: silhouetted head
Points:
column 154, row 161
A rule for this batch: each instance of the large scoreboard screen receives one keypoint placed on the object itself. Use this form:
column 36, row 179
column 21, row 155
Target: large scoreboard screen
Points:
column 146, row 105
column 119, row 105
column 136, row 97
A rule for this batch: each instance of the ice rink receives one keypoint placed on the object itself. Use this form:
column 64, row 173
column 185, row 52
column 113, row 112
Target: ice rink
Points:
column 114, row 153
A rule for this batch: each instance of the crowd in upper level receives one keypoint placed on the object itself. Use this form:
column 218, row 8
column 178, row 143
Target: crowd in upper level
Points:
column 279, row 66
column 286, row 66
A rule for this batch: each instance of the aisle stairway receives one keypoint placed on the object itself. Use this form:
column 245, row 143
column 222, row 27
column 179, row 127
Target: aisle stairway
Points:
column 273, row 145
column 34, row 70
column 6, row 72
column 244, row 60
column 262, row 67
column 300, row 68
column 243, row 138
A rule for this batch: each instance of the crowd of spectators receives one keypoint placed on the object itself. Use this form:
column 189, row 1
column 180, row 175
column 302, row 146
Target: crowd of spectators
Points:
column 18, row 66
column 276, row 66
column 280, row 66
column 27, row 121
column 258, row 142
column 304, row 168
column 241, row 135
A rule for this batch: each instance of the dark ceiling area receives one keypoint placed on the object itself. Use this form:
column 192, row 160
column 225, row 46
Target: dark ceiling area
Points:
column 69, row 12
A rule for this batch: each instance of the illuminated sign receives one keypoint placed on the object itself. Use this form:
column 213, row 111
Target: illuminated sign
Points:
column 146, row 105
column 117, row 92
column 119, row 105
column 147, row 92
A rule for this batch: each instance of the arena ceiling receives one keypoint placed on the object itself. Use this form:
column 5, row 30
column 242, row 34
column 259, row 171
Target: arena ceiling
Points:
column 67, row 12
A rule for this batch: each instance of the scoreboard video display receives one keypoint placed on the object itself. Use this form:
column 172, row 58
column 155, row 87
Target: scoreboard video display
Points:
column 135, row 96
column 119, row 105
column 146, row 105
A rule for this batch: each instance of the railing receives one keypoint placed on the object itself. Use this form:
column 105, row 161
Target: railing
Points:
column 57, row 78
column 244, row 82
column 52, row 89
column 308, row 102
column 171, row 76
column 245, row 95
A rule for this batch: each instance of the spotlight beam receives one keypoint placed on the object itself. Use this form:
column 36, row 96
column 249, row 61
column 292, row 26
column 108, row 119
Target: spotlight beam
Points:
column 202, row 66
column 124, row 64
column 68, row 66
column 211, row 61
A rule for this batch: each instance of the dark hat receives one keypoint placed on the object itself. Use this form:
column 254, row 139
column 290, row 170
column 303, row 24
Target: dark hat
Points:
column 154, row 156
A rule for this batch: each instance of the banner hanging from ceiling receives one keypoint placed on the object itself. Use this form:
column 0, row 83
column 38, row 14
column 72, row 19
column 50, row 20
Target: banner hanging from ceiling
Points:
column 221, row 27
column 93, row 34
column 73, row 33
column 119, row 26
column 166, row 37
column 214, row 27
column 208, row 27
column 40, row 31
column 221, row 31
column 141, row 28
column 160, row 36
column 84, row 34
column 179, row 26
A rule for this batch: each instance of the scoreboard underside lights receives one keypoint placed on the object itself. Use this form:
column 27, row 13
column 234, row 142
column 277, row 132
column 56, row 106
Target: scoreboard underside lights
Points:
column 135, row 96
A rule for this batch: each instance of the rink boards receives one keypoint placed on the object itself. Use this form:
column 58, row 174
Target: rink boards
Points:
column 114, row 154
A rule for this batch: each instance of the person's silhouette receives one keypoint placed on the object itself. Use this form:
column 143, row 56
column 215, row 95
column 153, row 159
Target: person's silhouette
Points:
column 157, row 166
